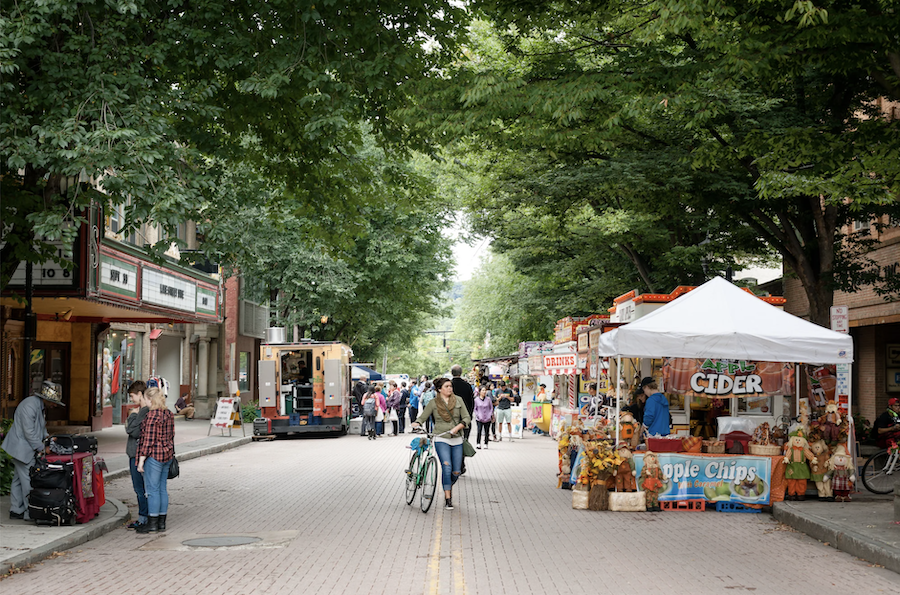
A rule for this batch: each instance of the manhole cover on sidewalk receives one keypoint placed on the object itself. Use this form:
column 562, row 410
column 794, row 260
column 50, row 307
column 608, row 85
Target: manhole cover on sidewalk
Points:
column 196, row 542
column 221, row 541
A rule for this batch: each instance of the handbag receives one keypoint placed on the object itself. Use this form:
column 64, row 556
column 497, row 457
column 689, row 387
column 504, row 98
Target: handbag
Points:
column 468, row 449
column 394, row 416
column 173, row 469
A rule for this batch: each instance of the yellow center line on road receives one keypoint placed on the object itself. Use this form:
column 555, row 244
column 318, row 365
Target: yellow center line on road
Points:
column 433, row 573
column 432, row 576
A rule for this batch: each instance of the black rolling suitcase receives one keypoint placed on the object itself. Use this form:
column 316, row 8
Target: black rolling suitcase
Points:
column 66, row 444
column 49, row 475
column 52, row 506
column 52, row 500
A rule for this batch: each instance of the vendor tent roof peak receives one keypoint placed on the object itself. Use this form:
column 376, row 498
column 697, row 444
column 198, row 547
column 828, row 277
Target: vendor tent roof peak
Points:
column 719, row 319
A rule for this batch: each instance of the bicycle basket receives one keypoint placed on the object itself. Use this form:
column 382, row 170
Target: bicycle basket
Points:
column 419, row 444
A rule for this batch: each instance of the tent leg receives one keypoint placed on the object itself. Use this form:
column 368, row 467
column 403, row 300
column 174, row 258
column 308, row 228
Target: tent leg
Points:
column 618, row 395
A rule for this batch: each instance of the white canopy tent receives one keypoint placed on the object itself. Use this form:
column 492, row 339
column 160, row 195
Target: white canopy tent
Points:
column 721, row 320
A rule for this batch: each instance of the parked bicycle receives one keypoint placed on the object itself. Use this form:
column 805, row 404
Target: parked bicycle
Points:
column 422, row 471
column 881, row 470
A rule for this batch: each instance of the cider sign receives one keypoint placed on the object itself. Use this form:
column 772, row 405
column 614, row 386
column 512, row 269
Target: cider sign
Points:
column 726, row 377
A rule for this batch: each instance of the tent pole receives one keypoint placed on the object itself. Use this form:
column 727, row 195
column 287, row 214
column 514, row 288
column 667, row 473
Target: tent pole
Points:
column 618, row 394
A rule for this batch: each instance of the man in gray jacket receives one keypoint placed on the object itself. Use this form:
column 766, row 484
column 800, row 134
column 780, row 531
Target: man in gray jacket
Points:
column 25, row 441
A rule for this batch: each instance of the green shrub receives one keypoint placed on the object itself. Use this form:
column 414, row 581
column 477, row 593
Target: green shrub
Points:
column 249, row 412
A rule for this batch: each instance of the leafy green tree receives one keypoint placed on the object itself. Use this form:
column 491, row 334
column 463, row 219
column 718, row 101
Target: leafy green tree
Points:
column 372, row 282
column 501, row 307
column 150, row 103
column 761, row 115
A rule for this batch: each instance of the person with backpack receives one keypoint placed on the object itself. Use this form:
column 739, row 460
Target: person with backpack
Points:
column 370, row 410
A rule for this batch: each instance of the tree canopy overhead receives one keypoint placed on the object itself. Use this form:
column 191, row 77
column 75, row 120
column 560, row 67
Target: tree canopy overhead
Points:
column 707, row 119
column 157, row 100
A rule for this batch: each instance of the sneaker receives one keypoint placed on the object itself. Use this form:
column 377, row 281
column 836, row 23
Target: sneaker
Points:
column 133, row 525
column 17, row 515
column 499, row 438
column 485, row 445
column 448, row 504
column 478, row 447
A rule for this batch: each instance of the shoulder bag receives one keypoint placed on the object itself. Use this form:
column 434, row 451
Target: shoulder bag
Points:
column 173, row 469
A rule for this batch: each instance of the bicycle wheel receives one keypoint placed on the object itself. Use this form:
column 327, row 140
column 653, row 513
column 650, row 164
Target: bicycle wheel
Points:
column 412, row 478
column 876, row 475
column 429, row 482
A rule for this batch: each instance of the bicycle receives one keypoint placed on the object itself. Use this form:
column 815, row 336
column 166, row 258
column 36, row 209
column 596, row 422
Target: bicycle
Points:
column 422, row 471
column 878, row 471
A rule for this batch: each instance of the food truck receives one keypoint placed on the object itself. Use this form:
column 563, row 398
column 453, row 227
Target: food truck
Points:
column 304, row 388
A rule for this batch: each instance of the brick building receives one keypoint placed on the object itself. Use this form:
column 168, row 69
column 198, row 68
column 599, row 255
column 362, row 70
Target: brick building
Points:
column 874, row 325
column 245, row 327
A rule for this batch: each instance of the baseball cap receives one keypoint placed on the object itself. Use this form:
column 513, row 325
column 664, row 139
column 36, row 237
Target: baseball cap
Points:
column 893, row 401
column 647, row 380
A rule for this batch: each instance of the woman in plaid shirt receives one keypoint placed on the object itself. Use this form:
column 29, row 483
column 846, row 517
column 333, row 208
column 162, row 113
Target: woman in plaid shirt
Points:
column 155, row 453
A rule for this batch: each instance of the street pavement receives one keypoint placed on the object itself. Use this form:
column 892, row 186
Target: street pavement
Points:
column 327, row 515
column 22, row 543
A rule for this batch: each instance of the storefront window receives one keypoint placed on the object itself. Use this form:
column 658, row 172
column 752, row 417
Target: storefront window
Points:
column 244, row 371
column 120, row 364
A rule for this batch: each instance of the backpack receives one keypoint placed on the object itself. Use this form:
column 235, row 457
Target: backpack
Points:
column 369, row 407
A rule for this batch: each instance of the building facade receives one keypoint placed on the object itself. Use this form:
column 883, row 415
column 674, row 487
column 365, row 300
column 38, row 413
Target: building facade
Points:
column 116, row 317
column 874, row 324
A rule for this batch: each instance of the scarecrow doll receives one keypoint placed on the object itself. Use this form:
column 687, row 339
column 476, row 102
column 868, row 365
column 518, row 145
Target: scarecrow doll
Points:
column 651, row 481
column 796, row 459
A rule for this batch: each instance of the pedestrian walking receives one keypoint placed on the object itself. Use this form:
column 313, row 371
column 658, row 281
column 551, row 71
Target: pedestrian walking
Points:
column 504, row 410
column 393, row 403
column 369, row 411
column 401, row 408
column 133, row 430
column 450, row 419
column 484, row 413
column 415, row 392
column 382, row 408
column 156, row 449
column 427, row 395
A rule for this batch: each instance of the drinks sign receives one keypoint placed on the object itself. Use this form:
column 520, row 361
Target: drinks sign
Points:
column 560, row 364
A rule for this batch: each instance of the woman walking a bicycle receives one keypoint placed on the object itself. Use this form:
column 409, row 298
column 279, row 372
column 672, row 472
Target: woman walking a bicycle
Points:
column 451, row 417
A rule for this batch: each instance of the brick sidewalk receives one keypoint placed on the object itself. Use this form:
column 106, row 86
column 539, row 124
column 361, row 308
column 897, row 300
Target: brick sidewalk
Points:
column 512, row 532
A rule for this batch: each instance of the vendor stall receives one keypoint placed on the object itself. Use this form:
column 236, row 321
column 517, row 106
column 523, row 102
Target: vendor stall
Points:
column 732, row 337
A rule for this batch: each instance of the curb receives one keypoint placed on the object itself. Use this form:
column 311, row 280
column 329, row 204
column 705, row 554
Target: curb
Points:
column 851, row 542
column 188, row 455
column 91, row 531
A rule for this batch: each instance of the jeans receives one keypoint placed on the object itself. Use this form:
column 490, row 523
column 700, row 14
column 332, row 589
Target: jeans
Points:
column 413, row 413
column 137, row 482
column 401, row 413
column 451, row 458
column 368, row 426
column 486, row 427
column 155, row 476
